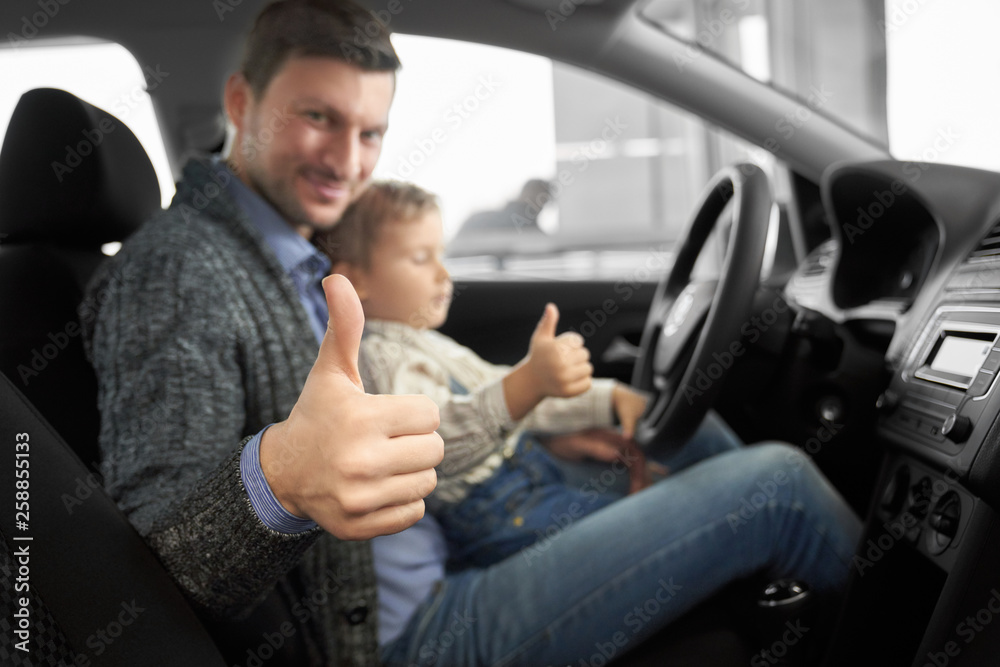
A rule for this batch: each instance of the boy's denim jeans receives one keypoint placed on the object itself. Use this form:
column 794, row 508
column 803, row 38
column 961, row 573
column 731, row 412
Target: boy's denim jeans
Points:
column 604, row 581
column 526, row 499
column 533, row 496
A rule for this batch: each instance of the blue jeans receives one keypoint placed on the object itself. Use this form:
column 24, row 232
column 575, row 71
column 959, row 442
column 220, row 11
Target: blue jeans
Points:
column 607, row 580
column 526, row 498
column 534, row 495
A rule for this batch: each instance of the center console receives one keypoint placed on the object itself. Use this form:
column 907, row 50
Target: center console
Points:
column 943, row 402
column 930, row 555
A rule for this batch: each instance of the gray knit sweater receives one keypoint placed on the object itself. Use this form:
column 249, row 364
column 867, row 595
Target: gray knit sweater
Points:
column 199, row 341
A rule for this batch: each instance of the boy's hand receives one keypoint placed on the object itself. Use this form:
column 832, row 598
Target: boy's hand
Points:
column 555, row 366
column 358, row 465
column 629, row 406
column 560, row 364
column 601, row 444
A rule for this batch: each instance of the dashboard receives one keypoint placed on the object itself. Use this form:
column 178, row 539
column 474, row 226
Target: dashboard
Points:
column 918, row 245
column 898, row 229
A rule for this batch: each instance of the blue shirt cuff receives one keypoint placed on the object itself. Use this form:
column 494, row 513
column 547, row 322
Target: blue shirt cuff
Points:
column 267, row 507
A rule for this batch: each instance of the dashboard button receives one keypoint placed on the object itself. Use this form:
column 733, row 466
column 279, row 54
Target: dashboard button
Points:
column 992, row 362
column 952, row 397
column 930, row 427
column 981, row 383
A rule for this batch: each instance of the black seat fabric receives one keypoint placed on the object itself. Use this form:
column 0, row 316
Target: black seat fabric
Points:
column 72, row 177
column 96, row 590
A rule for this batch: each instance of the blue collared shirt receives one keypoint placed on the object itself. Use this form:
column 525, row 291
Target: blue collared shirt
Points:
column 408, row 563
column 307, row 267
column 305, row 264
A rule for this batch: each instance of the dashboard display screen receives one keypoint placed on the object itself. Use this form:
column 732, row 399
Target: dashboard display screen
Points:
column 960, row 355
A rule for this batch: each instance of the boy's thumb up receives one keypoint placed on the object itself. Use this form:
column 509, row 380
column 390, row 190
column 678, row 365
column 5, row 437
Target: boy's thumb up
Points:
column 338, row 352
column 546, row 328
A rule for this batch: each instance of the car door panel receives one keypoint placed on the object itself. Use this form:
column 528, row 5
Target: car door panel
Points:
column 496, row 319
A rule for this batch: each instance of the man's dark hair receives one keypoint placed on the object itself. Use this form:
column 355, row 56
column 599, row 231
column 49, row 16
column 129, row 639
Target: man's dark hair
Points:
column 337, row 29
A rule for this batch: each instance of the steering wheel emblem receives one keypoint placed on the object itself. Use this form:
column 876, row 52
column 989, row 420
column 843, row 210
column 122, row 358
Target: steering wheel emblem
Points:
column 680, row 310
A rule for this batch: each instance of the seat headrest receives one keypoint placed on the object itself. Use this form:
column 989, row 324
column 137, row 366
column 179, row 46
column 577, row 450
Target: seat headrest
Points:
column 72, row 174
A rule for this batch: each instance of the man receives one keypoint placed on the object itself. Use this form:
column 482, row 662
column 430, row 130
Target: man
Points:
column 209, row 339
column 246, row 466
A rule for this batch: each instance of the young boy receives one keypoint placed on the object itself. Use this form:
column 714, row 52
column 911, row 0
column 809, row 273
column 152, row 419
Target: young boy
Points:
column 498, row 491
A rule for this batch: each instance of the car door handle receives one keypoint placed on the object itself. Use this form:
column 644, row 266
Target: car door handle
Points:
column 620, row 351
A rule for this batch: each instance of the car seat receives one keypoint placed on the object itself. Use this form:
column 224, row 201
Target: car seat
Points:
column 72, row 177
column 76, row 580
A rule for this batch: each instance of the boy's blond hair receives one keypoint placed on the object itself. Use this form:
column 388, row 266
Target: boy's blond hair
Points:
column 353, row 238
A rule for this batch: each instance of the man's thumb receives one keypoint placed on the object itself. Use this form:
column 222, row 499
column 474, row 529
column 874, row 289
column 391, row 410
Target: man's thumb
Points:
column 339, row 351
column 547, row 325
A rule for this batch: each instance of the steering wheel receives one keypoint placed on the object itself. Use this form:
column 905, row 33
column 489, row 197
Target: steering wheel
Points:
column 692, row 334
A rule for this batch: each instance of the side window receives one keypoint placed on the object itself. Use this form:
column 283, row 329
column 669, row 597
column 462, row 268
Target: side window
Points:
column 545, row 170
column 106, row 75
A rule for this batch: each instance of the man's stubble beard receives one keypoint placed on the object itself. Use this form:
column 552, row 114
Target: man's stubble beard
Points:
column 282, row 197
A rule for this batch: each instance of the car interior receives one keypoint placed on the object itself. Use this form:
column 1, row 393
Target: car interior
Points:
column 854, row 311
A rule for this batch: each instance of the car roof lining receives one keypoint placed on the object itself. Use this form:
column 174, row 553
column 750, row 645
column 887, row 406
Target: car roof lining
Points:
column 608, row 37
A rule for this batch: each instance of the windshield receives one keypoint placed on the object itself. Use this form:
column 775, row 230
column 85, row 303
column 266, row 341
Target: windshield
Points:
column 913, row 75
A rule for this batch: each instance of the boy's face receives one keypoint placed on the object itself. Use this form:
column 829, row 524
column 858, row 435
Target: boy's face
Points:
column 309, row 144
column 406, row 280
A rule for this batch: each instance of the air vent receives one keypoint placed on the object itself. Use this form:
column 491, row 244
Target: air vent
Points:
column 989, row 246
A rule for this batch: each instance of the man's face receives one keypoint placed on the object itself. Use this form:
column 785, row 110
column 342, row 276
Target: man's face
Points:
column 311, row 141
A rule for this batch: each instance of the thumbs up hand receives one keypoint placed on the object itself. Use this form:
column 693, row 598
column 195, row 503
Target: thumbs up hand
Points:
column 555, row 366
column 357, row 464
column 561, row 364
